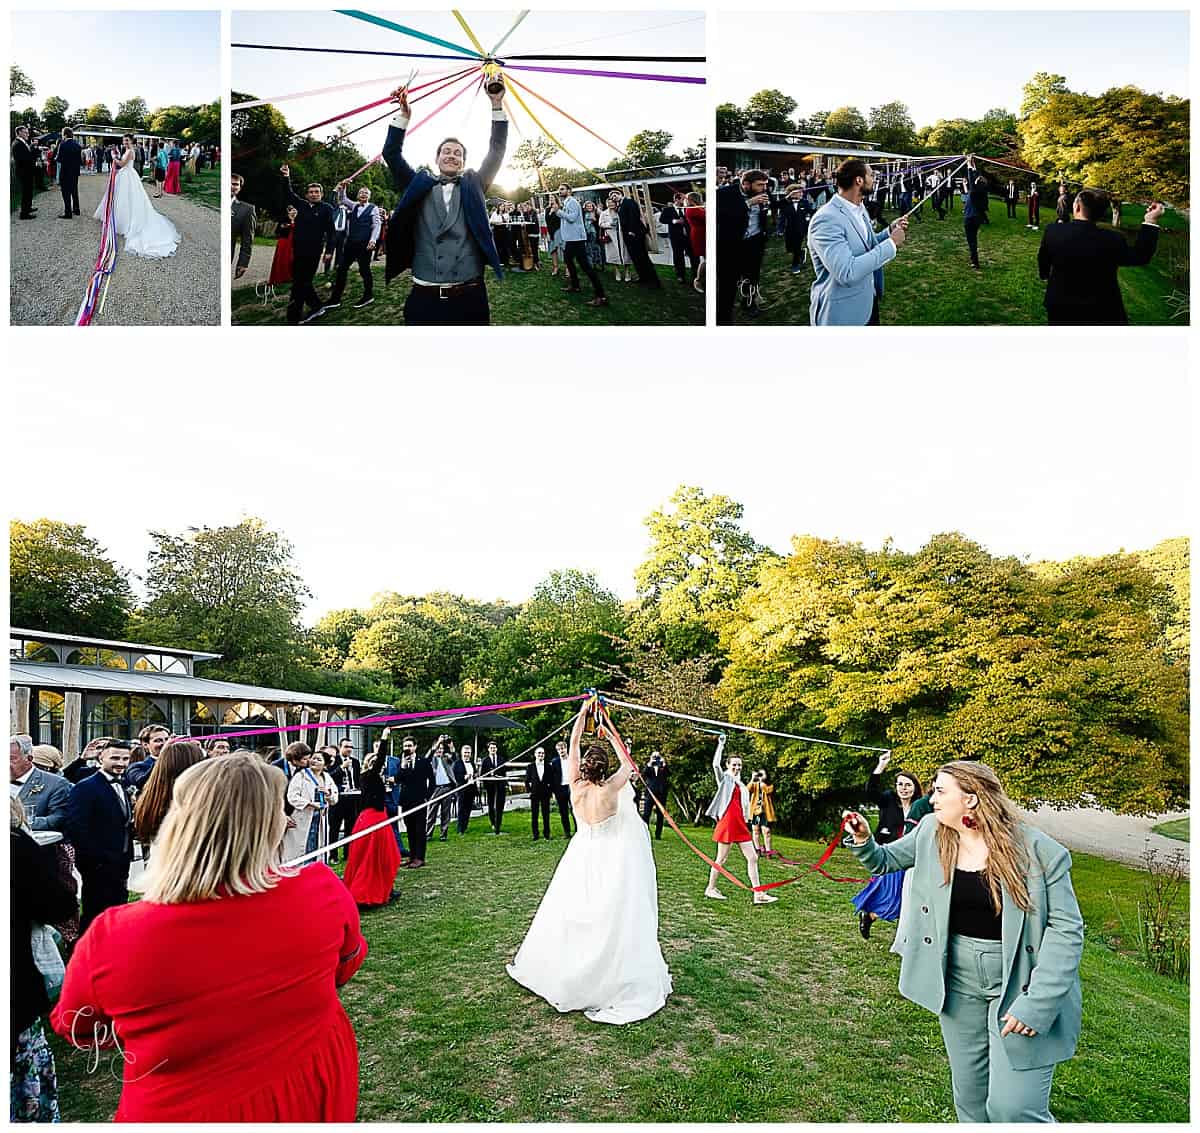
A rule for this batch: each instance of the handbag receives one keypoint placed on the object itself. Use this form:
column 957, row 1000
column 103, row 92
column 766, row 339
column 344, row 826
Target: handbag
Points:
column 47, row 958
column 605, row 238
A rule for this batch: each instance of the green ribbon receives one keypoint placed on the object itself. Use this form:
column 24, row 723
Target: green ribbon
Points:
column 381, row 22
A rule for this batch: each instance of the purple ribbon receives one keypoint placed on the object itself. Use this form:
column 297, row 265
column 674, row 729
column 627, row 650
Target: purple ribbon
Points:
column 607, row 74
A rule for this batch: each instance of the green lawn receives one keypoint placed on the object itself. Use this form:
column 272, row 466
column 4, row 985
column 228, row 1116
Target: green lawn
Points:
column 780, row 1013
column 521, row 299
column 931, row 282
column 1178, row 829
column 204, row 188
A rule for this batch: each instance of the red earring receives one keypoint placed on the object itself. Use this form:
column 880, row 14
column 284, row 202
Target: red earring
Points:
column 968, row 822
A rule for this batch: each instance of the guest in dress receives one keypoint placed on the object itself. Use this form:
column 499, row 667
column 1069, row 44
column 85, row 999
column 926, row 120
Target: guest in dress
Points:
column 591, row 228
column 301, row 799
column 281, row 264
column 174, row 163
column 154, row 799
column 326, row 797
column 615, row 251
column 243, row 1024
column 696, row 221
column 374, row 859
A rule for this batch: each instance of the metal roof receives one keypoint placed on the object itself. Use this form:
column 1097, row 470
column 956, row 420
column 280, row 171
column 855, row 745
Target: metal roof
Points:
column 777, row 147
column 116, row 681
column 40, row 635
column 754, row 135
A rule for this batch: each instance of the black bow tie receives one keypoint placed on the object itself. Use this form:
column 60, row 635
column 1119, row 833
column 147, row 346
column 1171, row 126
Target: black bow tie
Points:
column 448, row 180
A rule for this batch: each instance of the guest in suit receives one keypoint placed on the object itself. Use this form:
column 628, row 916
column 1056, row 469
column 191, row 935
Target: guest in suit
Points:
column 415, row 780
column 496, row 786
column 23, row 164
column 1035, row 206
column 43, row 794
column 311, row 235
column 975, row 209
column 741, row 237
column 244, row 222
column 390, row 770
column 562, row 789
column 1079, row 262
column 99, row 823
column 346, row 772
column 139, row 159
column 657, row 778
column 634, row 232
column 540, row 783
column 995, row 949
column 673, row 216
column 150, row 743
column 70, row 158
column 445, row 781
column 848, row 255
column 444, row 236
column 574, row 236
column 795, row 215
column 1063, row 209
column 1010, row 199
column 362, row 234
column 464, row 768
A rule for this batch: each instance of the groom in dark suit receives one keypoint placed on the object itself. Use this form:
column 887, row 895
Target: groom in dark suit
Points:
column 70, row 158
column 23, row 164
column 440, row 227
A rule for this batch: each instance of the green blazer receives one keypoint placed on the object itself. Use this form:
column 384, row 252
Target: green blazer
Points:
column 1042, row 948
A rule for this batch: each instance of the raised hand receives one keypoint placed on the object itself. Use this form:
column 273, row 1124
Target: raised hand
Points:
column 400, row 97
column 286, row 171
column 1154, row 212
column 858, row 826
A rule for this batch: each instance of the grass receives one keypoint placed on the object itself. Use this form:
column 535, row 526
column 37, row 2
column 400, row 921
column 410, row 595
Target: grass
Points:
column 931, row 282
column 779, row 1013
column 520, row 299
column 1178, row 829
column 204, row 188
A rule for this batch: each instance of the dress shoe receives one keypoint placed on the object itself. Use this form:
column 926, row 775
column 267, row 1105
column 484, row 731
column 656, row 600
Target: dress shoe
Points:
column 64, row 216
column 864, row 925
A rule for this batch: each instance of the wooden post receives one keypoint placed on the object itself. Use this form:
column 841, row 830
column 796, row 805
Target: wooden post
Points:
column 18, row 711
column 72, row 726
column 281, row 721
column 304, row 725
column 324, row 718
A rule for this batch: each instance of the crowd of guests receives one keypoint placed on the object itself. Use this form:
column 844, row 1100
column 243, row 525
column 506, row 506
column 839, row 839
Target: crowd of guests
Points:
column 575, row 237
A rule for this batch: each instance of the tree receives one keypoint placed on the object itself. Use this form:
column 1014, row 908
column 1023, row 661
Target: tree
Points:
column 648, row 147
column 846, row 122
column 54, row 112
column 20, row 85
column 132, row 114
column 98, row 115
column 532, row 156
column 892, row 127
column 332, row 636
column 1039, row 90
column 260, row 138
column 815, row 123
column 232, row 590
column 1170, row 563
column 770, row 110
column 206, row 124
column 173, row 121
column 62, row 581
column 731, row 123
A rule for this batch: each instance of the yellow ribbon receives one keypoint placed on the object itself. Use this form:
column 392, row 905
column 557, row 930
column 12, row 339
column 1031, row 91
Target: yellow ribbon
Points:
column 467, row 28
column 525, row 106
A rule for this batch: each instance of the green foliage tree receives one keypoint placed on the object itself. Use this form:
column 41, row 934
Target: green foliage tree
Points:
column 947, row 135
column 98, row 115
column 332, row 636
column 231, row 590
column 892, row 127
column 20, row 85
column 1057, row 678
column 1170, row 563
column 731, row 122
column 62, row 581
column 261, row 139
column 1039, row 90
column 649, row 147
column 132, row 114
column 206, row 123
column 815, row 123
column 846, row 122
column 54, row 112
column 770, row 110
column 532, row 156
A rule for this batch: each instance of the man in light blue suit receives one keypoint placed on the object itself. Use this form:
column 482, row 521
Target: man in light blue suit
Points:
column 848, row 254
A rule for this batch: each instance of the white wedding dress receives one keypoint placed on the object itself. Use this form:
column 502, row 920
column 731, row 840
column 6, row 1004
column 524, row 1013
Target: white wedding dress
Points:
column 593, row 945
column 147, row 233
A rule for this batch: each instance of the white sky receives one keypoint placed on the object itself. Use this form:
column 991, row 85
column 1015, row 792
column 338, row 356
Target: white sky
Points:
column 616, row 109
column 956, row 64
column 479, row 468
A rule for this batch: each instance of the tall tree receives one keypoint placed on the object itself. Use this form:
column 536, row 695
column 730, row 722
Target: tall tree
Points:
column 649, row 147
column 731, row 123
column 532, row 156
column 62, row 581
column 233, row 590
column 1039, row 90
column 20, row 85
column 54, row 112
column 98, row 115
column 892, row 127
column 770, row 110
column 846, row 122
column 260, row 138
column 132, row 114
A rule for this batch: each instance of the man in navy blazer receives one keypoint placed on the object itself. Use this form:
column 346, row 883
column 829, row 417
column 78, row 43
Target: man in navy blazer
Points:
column 848, row 254
column 99, row 824
column 69, row 158
column 440, row 227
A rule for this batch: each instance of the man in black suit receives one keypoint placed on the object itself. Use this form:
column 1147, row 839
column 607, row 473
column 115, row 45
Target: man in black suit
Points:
column 446, row 778
column 633, row 230
column 540, row 781
column 243, row 221
column 150, row 740
column 677, row 230
column 656, row 778
column 416, row 782
column 1079, row 262
column 1010, row 199
column 312, row 234
column 496, row 785
column 346, row 772
column 23, row 163
column 562, row 789
column 98, row 820
column 741, row 237
column 69, row 158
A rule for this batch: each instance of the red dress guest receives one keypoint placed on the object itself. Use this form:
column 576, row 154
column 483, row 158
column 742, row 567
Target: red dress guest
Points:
column 695, row 216
column 220, row 985
column 731, row 807
column 375, row 858
column 732, row 826
column 281, row 264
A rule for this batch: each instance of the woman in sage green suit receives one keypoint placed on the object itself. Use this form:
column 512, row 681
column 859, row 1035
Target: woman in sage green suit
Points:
column 990, row 943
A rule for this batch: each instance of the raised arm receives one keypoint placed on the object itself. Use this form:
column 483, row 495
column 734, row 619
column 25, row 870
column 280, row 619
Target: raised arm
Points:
column 718, row 771
column 497, row 143
column 620, row 777
column 573, row 745
column 290, row 193
column 393, row 155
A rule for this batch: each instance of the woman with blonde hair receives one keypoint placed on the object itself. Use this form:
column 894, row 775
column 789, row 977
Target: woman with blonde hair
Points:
column 227, row 971
column 992, row 945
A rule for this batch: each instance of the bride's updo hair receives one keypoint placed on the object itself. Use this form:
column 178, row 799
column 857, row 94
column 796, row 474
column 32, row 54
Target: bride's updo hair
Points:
column 593, row 764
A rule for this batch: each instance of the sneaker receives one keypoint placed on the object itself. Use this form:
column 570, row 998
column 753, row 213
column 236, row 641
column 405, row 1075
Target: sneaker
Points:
column 332, row 305
column 364, row 303
column 314, row 316
column 797, row 270
column 714, row 894
column 765, row 898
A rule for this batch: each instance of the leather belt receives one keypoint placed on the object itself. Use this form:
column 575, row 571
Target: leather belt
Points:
column 447, row 290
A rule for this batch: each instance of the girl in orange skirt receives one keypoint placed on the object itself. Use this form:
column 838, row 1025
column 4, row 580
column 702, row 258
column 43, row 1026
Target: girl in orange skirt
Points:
column 731, row 808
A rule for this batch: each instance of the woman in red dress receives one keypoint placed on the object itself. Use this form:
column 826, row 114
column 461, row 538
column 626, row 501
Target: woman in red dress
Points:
column 220, row 986
column 731, row 808
column 695, row 216
column 374, row 859
column 281, row 264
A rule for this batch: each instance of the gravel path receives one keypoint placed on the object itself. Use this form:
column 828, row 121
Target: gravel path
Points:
column 259, row 268
column 1118, row 837
column 52, row 261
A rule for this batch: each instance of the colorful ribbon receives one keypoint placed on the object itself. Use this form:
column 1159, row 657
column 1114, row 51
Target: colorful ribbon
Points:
column 516, row 24
column 611, row 58
column 462, row 23
column 407, row 78
column 620, row 152
column 96, row 292
column 380, row 22
column 610, row 74
column 508, row 82
column 343, row 51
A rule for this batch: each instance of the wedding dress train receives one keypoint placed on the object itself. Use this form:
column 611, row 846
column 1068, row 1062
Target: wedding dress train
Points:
column 147, row 233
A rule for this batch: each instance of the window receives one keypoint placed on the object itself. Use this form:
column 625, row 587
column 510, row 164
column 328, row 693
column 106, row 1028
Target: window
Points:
column 173, row 664
column 51, row 706
column 147, row 663
column 247, row 712
column 37, row 651
column 123, row 716
column 98, row 658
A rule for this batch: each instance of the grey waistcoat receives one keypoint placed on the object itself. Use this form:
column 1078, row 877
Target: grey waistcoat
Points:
column 444, row 250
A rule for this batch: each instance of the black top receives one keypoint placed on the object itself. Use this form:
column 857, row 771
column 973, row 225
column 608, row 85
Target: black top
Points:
column 374, row 793
column 1080, row 262
column 892, row 821
column 971, row 909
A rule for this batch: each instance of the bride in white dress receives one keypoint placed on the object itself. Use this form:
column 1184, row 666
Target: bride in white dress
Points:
column 147, row 233
column 593, row 945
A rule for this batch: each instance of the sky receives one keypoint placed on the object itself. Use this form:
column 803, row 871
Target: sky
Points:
column 451, row 466
column 168, row 58
column 616, row 109
column 951, row 64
